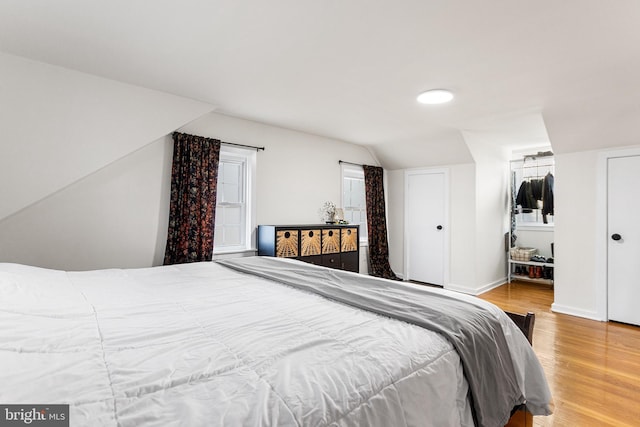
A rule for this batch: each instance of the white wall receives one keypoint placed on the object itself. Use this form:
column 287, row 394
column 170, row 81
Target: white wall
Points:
column 491, row 210
column 462, row 228
column 296, row 173
column 478, row 218
column 81, row 166
column 117, row 216
column 491, row 215
column 540, row 238
column 575, row 234
column 461, row 222
column 579, row 262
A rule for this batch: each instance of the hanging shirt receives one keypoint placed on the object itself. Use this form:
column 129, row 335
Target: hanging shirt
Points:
column 547, row 196
column 525, row 197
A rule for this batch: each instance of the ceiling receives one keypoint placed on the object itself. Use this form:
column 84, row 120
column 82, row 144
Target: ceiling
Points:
column 523, row 73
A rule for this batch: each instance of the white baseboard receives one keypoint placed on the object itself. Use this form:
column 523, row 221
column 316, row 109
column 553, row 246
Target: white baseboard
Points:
column 564, row 309
column 235, row 254
column 476, row 291
column 486, row 288
column 460, row 288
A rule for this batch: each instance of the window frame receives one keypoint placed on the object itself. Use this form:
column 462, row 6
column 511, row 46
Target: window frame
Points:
column 247, row 157
column 354, row 172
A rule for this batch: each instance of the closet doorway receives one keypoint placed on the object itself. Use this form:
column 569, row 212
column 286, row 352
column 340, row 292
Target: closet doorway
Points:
column 426, row 226
column 623, row 249
column 531, row 256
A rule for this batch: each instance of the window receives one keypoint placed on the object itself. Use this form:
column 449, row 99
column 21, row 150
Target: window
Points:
column 353, row 198
column 235, row 207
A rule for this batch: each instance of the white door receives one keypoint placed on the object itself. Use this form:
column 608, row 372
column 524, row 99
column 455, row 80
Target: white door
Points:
column 425, row 227
column 623, row 264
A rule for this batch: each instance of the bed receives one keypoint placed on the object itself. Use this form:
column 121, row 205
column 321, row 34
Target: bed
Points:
column 257, row 342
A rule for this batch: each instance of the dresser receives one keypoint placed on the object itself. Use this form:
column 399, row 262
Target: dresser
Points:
column 330, row 245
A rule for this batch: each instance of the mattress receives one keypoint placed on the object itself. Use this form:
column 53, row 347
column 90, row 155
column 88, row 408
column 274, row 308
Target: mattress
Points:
column 203, row 345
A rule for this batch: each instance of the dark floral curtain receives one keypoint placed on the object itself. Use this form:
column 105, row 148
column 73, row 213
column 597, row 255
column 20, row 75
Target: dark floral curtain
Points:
column 377, row 223
column 192, row 209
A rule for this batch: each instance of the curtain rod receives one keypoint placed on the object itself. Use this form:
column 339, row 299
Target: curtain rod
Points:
column 243, row 145
column 349, row 163
column 224, row 142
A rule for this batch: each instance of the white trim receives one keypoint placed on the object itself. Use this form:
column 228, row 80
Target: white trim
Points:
column 565, row 309
column 492, row 285
column 461, row 288
column 248, row 156
column 252, row 199
column 354, row 171
column 445, row 260
column 601, row 251
column 476, row 291
column 535, row 227
column 601, row 237
column 234, row 254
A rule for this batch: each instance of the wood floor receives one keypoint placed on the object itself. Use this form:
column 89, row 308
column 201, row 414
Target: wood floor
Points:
column 593, row 368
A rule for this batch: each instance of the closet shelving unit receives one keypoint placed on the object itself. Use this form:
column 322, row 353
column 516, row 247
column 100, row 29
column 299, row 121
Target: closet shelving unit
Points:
column 531, row 166
column 514, row 276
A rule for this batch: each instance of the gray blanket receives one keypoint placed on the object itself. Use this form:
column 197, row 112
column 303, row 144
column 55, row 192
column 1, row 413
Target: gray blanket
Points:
column 475, row 333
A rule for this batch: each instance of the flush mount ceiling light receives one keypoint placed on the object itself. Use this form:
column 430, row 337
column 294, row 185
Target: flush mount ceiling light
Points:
column 435, row 96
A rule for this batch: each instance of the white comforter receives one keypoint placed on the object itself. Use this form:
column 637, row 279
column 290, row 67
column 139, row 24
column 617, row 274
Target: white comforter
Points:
column 202, row 345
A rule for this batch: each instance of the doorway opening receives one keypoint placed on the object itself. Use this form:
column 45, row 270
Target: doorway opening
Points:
column 531, row 255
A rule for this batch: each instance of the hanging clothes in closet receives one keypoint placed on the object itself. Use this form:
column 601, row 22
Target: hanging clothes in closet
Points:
column 547, row 196
column 528, row 195
column 533, row 191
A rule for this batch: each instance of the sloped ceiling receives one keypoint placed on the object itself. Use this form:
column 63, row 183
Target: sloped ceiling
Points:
column 351, row 69
column 59, row 126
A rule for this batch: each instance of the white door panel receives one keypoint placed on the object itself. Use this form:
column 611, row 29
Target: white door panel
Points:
column 425, row 227
column 623, row 228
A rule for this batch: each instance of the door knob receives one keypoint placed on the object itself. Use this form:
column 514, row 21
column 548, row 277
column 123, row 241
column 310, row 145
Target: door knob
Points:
column 616, row 237
column 439, row 227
